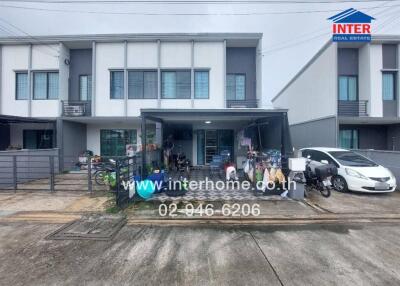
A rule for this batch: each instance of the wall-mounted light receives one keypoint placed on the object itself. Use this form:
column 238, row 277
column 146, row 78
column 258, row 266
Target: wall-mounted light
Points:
column 67, row 62
column 207, row 122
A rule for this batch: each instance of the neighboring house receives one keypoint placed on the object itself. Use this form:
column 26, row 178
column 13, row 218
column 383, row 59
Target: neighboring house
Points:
column 100, row 92
column 346, row 96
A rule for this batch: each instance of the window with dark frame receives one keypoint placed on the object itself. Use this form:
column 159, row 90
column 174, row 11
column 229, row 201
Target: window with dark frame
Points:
column 45, row 85
column 85, row 87
column 113, row 141
column 37, row 139
column 201, row 84
column 21, row 86
column 142, row 84
column 388, row 85
column 348, row 88
column 117, row 84
column 348, row 138
column 176, row 84
column 236, row 86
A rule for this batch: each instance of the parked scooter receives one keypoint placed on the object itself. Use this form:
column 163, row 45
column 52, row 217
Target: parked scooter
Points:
column 320, row 178
column 182, row 164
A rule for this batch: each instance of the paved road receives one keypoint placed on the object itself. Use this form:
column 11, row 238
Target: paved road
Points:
column 366, row 254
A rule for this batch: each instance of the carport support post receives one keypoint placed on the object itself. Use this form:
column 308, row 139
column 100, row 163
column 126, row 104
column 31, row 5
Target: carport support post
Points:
column 144, row 171
column 59, row 143
column 51, row 165
column 14, row 160
column 89, row 169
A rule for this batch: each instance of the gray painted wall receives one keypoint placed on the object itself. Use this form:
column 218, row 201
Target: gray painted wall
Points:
column 71, row 139
column 81, row 64
column 316, row 133
column 347, row 61
column 4, row 136
column 389, row 56
column 389, row 108
column 393, row 137
column 243, row 60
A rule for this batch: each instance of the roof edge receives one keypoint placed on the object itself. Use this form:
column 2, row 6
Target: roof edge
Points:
column 380, row 38
column 132, row 37
column 305, row 67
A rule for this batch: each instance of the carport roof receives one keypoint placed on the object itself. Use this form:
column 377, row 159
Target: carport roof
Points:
column 214, row 114
column 20, row 119
column 369, row 120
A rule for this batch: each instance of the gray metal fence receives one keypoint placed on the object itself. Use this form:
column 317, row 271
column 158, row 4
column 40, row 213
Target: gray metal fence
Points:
column 19, row 167
column 388, row 159
column 40, row 170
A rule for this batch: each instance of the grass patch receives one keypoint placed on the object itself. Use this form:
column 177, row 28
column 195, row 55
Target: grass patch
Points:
column 113, row 210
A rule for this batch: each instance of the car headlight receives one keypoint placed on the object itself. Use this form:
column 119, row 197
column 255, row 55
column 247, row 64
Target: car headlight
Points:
column 391, row 174
column 356, row 174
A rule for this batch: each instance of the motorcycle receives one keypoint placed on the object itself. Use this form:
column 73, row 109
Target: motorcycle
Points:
column 182, row 164
column 320, row 178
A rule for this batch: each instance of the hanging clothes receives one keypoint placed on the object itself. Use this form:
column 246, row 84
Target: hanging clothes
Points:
column 265, row 180
column 280, row 176
column 272, row 175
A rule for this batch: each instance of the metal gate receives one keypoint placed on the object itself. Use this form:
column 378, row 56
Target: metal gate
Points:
column 127, row 171
column 30, row 171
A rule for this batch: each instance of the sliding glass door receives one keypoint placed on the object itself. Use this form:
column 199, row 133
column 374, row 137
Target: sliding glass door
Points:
column 213, row 142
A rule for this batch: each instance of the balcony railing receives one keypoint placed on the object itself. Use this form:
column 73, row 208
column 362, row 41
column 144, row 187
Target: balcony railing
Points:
column 76, row 108
column 353, row 108
column 247, row 103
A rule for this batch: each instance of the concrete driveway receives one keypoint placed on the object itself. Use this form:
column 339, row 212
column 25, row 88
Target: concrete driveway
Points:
column 43, row 201
column 145, row 255
column 358, row 203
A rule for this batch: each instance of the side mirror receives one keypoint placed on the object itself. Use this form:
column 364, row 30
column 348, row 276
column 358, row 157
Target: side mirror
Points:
column 325, row 162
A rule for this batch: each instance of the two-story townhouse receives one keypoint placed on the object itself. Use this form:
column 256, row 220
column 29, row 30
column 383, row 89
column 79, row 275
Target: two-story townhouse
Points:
column 347, row 96
column 107, row 93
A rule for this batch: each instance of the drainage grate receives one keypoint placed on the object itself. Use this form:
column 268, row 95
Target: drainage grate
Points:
column 93, row 227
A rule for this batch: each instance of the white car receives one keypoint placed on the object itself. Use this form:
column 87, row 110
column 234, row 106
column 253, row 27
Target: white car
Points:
column 355, row 172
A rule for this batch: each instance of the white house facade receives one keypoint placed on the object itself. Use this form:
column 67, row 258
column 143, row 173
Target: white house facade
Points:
column 90, row 92
column 347, row 96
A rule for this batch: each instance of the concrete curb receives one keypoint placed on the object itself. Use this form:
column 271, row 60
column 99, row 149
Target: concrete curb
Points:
column 66, row 217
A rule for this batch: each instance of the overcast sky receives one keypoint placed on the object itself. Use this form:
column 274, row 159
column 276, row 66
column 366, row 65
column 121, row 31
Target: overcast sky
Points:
column 290, row 38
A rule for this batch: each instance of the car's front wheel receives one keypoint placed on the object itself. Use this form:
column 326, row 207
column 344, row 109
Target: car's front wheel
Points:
column 339, row 184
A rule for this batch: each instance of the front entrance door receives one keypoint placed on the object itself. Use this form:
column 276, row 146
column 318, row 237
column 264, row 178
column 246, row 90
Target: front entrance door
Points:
column 213, row 142
column 211, row 145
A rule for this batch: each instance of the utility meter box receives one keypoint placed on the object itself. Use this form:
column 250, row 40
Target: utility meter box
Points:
column 297, row 164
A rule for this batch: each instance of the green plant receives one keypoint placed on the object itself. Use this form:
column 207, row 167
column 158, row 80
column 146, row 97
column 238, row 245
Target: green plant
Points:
column 110, row 179
column 149, row 169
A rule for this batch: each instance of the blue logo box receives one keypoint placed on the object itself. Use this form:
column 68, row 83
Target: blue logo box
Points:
column 351, row 38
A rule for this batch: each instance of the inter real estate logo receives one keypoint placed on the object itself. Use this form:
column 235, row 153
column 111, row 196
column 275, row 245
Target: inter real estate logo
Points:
column 351, row 26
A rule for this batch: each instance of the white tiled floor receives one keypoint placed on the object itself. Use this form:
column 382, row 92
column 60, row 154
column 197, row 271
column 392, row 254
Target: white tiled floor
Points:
column 212, row 194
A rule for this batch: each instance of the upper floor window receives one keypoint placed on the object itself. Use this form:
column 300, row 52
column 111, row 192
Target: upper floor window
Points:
column 388, row 86
column 85, row 87
column 45, row 85
column 348, row 88
column 117, row 85
column 175, row 84
column 201, row 84
column 142, row 84
column 236, row 86
column 21, row 85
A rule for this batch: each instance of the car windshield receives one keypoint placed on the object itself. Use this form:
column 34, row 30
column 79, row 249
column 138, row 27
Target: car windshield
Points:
column 348, row 158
